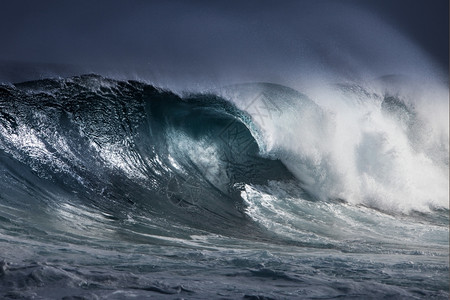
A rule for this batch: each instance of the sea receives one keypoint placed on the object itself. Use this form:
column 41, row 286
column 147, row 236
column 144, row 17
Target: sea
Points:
column 122, row 189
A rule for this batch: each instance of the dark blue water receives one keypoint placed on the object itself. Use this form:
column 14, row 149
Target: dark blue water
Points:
column 119, row 189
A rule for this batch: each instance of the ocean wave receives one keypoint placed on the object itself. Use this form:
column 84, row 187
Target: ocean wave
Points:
column 108, row 172
column 101, row 138
column 118, row 145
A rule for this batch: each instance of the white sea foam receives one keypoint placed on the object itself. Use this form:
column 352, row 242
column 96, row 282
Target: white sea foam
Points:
column 352, row 146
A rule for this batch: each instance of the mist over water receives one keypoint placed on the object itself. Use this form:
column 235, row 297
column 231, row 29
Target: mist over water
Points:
column 255, row 150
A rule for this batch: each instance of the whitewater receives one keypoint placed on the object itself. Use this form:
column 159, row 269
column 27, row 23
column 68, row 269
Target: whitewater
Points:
column 117, row 188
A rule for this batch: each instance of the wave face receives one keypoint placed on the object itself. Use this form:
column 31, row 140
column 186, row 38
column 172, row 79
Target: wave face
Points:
column 148, row 185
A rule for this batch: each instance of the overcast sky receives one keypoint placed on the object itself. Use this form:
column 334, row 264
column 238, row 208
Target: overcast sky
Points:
column 202, row 39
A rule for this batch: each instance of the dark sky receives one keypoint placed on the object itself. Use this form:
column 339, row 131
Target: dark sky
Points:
column 253, row 40
column 427, row 22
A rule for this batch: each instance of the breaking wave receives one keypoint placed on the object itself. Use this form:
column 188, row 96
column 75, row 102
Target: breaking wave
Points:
column 93, row 168
column 103, row 141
